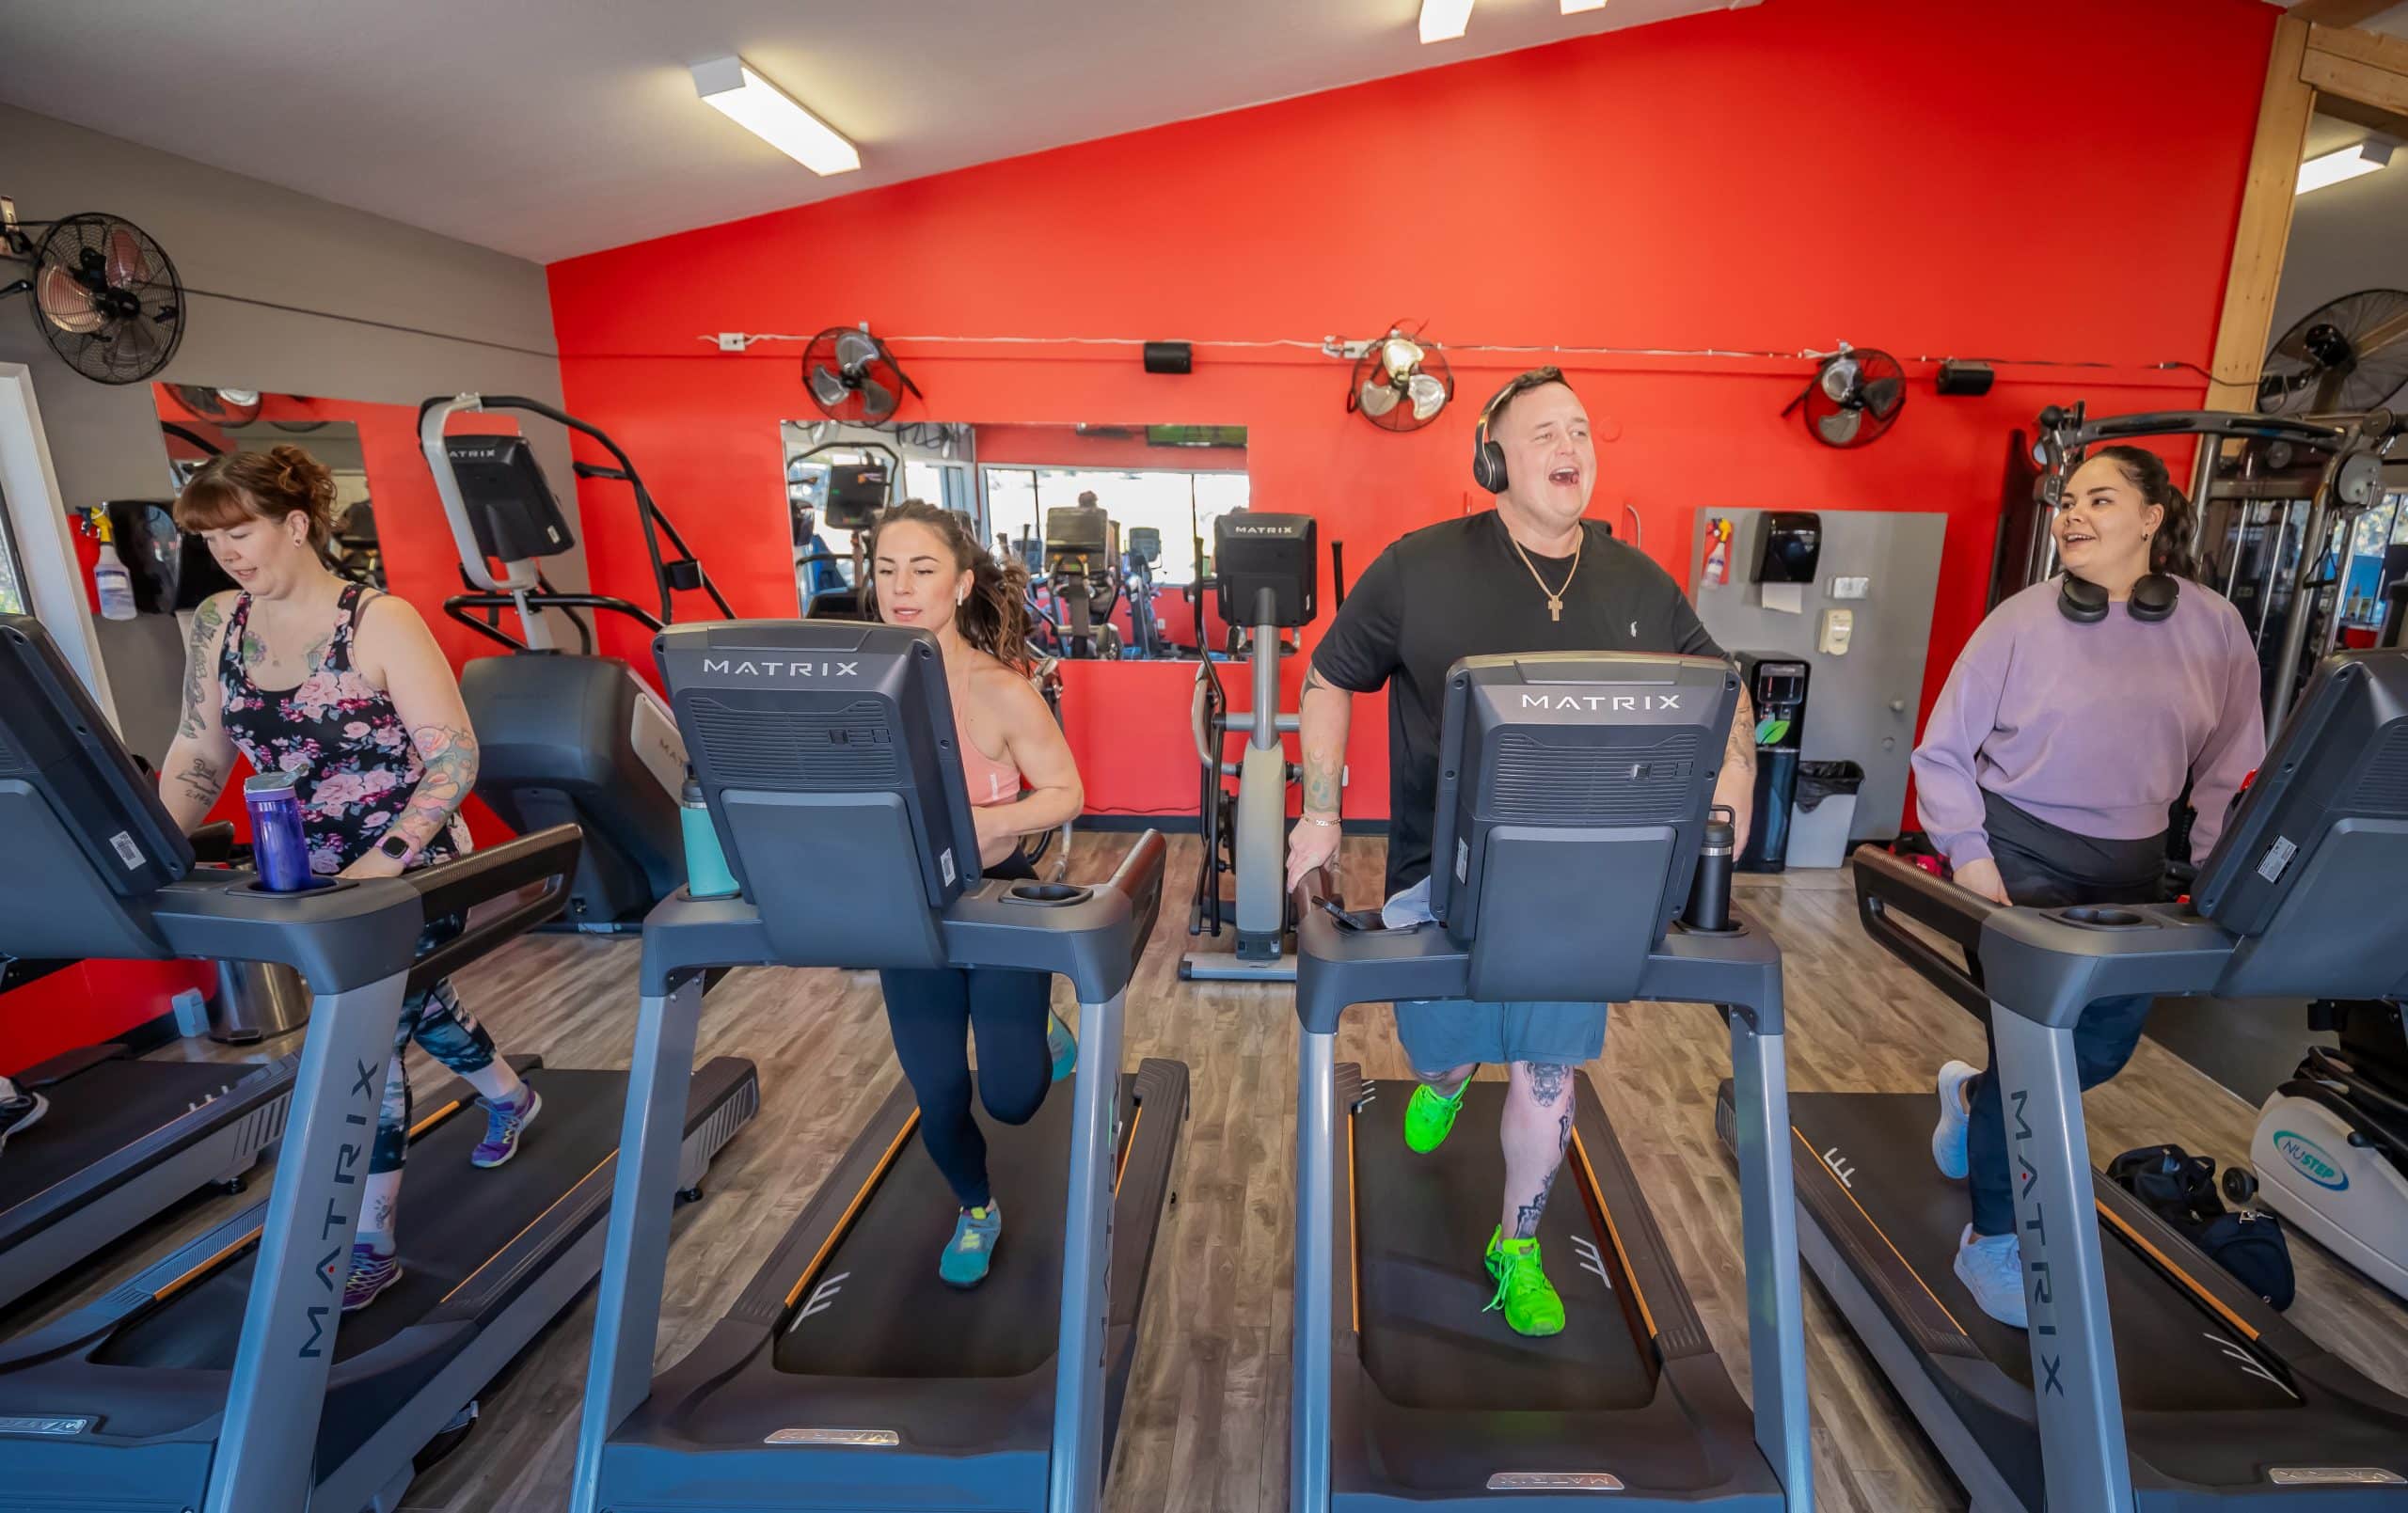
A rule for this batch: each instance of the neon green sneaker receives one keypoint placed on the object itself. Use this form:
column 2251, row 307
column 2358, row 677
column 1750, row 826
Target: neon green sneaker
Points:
column 1429, row 1117
column 1529, row 1301
column 973, row 1246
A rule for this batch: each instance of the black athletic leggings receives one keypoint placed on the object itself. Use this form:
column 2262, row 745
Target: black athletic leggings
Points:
column 931, row 1011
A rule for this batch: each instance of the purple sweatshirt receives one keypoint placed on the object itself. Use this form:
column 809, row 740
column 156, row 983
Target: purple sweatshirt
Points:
column 2093, row 728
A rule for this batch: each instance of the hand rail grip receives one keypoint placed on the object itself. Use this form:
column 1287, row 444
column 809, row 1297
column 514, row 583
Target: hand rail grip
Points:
column 451, row 887
column 1887, row 883
column 1139, row 878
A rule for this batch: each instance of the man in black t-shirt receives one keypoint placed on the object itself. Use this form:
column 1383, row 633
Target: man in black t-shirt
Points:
column 1530, row 576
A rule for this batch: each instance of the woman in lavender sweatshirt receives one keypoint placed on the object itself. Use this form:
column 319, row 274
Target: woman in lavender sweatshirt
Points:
column 2049, row 770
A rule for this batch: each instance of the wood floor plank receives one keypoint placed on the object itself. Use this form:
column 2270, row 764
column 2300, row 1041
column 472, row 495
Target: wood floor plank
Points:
column 1207, row 1422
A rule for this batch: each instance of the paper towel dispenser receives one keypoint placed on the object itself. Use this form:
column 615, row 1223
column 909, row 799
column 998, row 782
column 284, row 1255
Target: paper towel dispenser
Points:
column 1790, row 544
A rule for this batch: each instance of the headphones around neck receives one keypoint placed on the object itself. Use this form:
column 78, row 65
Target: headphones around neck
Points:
column 1487, row 457
column 2086, row 603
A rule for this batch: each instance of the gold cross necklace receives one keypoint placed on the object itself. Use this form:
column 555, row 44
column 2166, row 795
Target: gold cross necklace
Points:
column 1554, row 596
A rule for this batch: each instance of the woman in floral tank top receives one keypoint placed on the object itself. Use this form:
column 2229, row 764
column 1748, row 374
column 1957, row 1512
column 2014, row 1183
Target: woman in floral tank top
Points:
column 343, row 686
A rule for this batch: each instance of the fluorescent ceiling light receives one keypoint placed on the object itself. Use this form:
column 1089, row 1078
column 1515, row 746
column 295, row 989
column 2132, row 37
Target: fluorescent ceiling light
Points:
column 2349, row 163
column 729, row 86
column 1442, row 21
column 1574, row 8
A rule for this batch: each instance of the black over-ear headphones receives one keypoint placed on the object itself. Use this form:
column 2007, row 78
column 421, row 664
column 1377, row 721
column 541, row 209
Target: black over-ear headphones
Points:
column 2086, row 603
column 1487, row 457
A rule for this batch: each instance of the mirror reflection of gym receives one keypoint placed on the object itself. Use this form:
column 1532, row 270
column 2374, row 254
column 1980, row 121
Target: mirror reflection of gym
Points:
column 1110, row 521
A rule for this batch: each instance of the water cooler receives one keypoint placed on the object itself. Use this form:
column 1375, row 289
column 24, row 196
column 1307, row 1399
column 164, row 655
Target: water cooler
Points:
column 1776, row 685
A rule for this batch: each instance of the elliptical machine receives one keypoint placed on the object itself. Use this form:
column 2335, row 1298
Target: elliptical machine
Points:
column 1082, row 582
column 2331, row 1150
column 1143, row 549
column 564, row 738
column 1264, row 573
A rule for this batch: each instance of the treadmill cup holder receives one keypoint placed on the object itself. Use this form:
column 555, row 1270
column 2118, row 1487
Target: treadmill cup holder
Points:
column 2101, row 917
column 1049, row 895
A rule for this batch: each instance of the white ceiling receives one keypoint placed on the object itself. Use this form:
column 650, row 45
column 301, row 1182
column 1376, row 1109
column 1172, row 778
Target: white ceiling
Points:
column 548, row 128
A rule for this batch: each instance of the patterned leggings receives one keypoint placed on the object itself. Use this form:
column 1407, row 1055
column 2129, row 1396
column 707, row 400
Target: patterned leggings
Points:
column 445, row 1030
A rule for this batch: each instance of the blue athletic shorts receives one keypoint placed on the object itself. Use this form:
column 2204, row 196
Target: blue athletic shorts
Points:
column 1440, row 1036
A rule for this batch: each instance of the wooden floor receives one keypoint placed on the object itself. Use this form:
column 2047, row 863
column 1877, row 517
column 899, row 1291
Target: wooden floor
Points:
column 1206, row 1421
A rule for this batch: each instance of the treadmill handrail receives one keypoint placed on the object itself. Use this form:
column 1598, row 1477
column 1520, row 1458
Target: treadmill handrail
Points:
column 489, row 872
column 1886, row 883
column 547, row 857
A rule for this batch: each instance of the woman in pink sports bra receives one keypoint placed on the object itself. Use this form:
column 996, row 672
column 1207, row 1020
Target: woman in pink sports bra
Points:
column 928, row 571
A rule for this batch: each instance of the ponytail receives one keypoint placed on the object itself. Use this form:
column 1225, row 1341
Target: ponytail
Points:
column 2169, row 547
column 994, row 616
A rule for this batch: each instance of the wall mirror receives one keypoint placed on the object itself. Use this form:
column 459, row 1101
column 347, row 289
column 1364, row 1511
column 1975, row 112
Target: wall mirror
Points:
column 1108, row 519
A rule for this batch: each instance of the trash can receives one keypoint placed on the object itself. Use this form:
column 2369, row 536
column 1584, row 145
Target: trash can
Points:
column 257, row 1000
column 1823, row 813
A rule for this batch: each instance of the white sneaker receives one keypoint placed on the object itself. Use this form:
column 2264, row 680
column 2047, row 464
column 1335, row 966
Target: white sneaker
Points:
column 1948, row 1136
column 1992, row 1267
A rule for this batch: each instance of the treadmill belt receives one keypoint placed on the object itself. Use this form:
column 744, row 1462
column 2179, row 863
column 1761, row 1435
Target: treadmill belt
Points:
column 890, row 1316
column 454, row 1218
column 1420, row 1224
column 2172, row 1354
column 101, row 1111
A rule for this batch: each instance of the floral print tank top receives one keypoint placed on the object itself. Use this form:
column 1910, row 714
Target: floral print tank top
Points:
column 341, row 733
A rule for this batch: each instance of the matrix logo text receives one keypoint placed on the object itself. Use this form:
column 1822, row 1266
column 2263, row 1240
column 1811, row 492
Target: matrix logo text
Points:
column 750, row 669
column 1615, row 702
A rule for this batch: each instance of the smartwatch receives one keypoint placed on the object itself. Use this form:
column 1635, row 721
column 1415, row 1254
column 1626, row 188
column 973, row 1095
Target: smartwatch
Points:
column 397, row 846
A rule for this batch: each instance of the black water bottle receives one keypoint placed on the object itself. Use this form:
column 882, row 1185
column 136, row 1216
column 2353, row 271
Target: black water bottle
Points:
column 1710, row 889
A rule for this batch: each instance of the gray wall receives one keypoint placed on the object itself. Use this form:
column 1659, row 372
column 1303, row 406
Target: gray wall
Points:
column 1859, row 707
column 233, row 235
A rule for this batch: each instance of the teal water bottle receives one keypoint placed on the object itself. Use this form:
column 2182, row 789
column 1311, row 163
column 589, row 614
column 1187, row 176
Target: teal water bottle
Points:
column 706, row 873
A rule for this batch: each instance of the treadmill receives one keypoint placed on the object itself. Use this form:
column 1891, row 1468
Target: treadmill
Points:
column 2222, row 1400
column 847, row 1375
column 217, row 1379
column 1573, row 796
column 124, row 1141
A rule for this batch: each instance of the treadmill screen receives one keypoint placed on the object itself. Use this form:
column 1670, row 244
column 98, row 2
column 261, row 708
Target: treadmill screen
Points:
column 828, row 754
column 510, row 506
column 56, row 751
column 1572, row 797
column 2339, row 766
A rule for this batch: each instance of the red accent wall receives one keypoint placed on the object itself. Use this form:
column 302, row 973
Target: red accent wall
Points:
column 1933, row 180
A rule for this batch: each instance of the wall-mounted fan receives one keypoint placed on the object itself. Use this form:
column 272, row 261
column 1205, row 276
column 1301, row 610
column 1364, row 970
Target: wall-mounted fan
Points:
column 1855, row 397
column 853, row 378
column 218, row 406
column 1400, row 382
column 104, row 296
column 2342, row 358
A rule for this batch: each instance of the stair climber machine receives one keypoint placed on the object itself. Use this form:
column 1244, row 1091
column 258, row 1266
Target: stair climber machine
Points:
column 2330, row 1149
column 2150, row 1378
column 565, row 737
column 1264, row 570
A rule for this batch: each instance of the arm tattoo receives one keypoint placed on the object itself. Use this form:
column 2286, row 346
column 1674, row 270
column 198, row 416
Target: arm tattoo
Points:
column 449, row 755
column 204, row 629
column 203, row 781
column 1741, row 751
column 1323, row 780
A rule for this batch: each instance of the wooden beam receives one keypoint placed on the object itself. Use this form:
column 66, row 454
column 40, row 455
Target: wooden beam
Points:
column 2265, row 226
column 2341, row 12
column 2373, row 49
column 2391, row 123
column 2329, row 73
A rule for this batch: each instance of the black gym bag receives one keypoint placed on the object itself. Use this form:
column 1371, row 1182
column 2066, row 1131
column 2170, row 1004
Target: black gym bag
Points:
column 2180, row 1188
